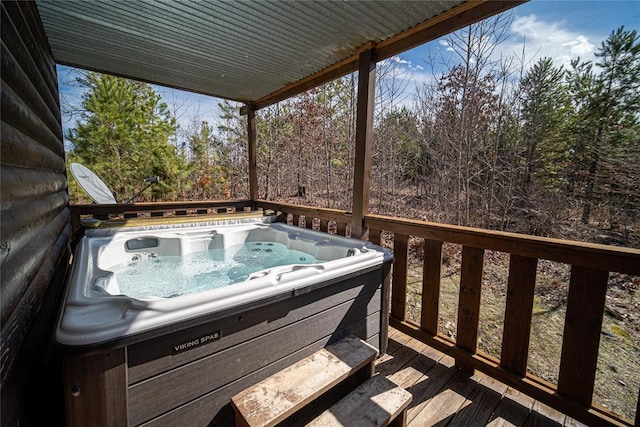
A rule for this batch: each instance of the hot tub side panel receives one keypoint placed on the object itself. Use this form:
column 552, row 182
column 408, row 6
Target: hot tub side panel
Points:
column 192, row 374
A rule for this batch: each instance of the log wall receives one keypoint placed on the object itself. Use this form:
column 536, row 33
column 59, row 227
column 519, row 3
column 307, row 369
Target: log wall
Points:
column 34, row 216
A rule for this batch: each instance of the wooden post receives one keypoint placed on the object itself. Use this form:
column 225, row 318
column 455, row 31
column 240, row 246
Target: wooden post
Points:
column 308, row 222
column 253, row 164
column 95, row 388
column 364, row 139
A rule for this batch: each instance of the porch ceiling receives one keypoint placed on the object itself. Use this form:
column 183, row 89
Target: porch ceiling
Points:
column 253, row 51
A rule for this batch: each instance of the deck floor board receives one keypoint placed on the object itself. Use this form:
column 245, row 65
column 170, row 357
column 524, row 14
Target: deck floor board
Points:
column 445, row 396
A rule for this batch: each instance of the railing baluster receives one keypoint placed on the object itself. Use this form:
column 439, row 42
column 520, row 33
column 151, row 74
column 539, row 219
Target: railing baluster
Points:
column 399, row 284
column 518, row 312
column 285, row 218
column 374, row 235
column 582, row 328
column 324, row 225
column 431, row 269
column 296, row 220
column 308, row 219
column 469, row 302
column 341, row 228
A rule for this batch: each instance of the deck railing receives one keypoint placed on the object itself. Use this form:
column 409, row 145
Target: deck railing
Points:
column 590, row 265
column 136, row 210
column 326, row 219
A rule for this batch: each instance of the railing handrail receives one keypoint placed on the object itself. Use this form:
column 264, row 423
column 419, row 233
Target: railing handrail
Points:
column 592, row 255
column 116, row 209
column 103, row 212
column 313, row 212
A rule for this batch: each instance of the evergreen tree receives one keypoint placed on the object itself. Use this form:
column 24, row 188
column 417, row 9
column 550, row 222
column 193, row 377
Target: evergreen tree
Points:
column 608, row 104
column 232, row 141
column 544, row 110
column 208, row 172
column 123, row 136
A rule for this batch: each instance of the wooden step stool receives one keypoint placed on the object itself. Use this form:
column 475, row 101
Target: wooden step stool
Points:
column 289, row 391
column 377, row 402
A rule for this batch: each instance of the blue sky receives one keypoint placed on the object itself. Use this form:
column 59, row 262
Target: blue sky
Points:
column 562, row 30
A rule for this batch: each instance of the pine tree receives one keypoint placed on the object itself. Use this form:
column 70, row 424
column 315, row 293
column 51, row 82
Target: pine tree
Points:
column 544, row 110
column 608, row 103
column 232, row 140
column 123, row 135
column 208, row 173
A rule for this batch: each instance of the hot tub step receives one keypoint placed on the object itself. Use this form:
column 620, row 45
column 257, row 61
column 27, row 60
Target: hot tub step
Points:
column 276, row 398
column 377, row 402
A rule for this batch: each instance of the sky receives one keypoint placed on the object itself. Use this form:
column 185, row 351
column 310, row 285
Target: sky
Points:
column 561, row 30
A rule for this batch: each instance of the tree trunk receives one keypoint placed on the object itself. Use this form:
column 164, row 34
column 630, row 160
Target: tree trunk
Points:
column 591, row 179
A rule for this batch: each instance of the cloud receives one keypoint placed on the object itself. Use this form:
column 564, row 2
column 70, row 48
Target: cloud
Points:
column 402, row 63
column 399, row 60
column 550, row 39
column 445, row 44
column 580, row 46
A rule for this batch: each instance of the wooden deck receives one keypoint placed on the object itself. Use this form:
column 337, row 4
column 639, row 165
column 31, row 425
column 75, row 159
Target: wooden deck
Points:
column 446, row 396
column 428, row 373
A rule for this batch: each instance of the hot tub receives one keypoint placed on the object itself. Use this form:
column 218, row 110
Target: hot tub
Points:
column 175, row 319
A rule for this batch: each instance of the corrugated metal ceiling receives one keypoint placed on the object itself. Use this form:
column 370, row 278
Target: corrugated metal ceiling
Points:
column 240, row 50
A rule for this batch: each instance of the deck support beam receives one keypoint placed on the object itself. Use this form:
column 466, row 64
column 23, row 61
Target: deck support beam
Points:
column 364, row 140
column 252, row 149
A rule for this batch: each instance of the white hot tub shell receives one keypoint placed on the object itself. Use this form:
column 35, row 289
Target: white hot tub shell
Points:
column 95, row 312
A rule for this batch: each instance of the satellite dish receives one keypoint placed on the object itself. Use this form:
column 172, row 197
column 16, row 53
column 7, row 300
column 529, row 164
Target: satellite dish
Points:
column 92, row 184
